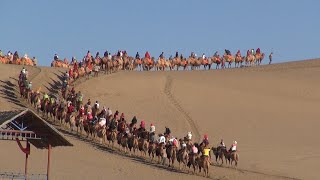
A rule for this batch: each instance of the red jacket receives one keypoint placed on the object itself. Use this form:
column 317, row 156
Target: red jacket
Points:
column 258, row 51
column 70, row 109
column 147, row 55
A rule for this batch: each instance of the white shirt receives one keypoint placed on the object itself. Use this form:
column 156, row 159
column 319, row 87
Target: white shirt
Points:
column 102, row 122
column 162, row 139
column 152, row 128
column 97, row 105
column 109, row 112
column 189, row 135
column 203, row 56
column 234, row 148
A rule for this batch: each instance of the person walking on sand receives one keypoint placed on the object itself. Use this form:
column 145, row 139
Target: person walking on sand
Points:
column 270, row 57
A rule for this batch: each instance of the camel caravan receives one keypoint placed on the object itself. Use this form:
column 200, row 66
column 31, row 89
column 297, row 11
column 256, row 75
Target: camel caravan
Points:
column 113, row 129
column 15, row 59
column 121, row 61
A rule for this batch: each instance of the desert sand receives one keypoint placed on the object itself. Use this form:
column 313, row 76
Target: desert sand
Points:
column 271, row 111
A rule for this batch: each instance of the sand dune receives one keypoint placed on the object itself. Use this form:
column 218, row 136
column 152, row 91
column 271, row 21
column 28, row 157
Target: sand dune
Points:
column 270, row 110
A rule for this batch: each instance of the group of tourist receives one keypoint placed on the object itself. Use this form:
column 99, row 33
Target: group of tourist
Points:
column 12, row 57
column 110, row 126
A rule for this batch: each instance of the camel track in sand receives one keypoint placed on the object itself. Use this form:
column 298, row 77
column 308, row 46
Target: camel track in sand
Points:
column 177, row 105
column 194, row 126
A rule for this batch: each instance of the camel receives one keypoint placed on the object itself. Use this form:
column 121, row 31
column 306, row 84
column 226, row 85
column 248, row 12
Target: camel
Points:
column 133, row 143
column 217, row 61
column 238, row 61
column 250, row 60
column 229, row 58
column 204, row 163
column 171, row 151
column 101, row 133
column 71, row 121
column 152, row 150
column 259, row 57
column 218, row 153
column 59, row 63
column 111, row 136
column 124, row 143
column 138, row 64
column 160, row 153
column 231, row 157
column 148, row 64
column 193, row 161
column 183, row 157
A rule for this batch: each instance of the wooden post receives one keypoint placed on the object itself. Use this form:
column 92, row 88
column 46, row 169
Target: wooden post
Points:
column 48, row 166
column 26, row 161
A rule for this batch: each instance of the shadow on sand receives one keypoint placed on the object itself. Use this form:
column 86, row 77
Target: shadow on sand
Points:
column 9, row 93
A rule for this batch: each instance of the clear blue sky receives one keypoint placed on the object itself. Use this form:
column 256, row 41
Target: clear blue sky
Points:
column 291, row 28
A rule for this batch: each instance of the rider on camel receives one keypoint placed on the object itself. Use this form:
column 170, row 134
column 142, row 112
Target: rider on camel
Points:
column 203, row 56
column 97, row 55
column 73, row 92
column 105, row 53
column 177, row 55
column 81, row 111
column 233, row 147
column 147, row 55
column 29, row 87
column 258, row 51
column 88, row 103
column 70, row 72
column 252, row 52
column 189, row 136
column 70, row 109
column 221, row 145
column 227, row 52
column 173, row 141
column 122, row 117
column 205, row 140
column 152, row 128
column 113, row 124
column 56, row 57
column 88, row 56
column 89, row 116
column 45, row 96
column 142, row 126
column 167, row 132
column 181, row 57
column 161, row 55
column 238, row 53
column 137, row 55
column 194, row 149
column 162, row 139
column 97, row 105
column 248, row 53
